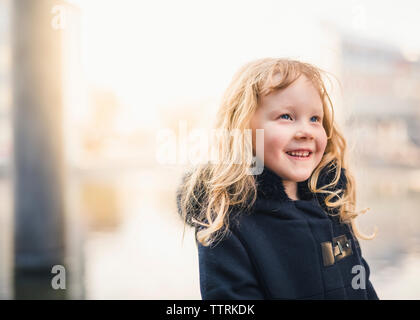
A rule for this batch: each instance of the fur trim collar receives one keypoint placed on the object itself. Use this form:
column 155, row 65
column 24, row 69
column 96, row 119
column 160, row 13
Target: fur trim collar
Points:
column 270, row 186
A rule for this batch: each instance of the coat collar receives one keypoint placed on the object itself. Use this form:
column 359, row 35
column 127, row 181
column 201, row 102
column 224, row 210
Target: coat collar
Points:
column 270, row 186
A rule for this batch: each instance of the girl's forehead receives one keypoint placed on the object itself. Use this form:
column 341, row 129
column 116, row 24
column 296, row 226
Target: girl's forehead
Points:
column 300, row 89
column 300, row 96
column 280, row 81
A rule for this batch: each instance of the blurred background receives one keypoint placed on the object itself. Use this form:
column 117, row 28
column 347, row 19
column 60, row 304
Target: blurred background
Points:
column 87, row 87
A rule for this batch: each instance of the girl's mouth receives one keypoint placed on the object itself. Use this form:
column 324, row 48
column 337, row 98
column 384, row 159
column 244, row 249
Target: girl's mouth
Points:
column 301, row 155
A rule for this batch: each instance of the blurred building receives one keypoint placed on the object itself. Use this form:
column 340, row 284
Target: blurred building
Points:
column 381, row 99
column 382, row 90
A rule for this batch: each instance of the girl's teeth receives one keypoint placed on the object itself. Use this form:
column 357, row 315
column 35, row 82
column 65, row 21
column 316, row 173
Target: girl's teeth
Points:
column 299, row 154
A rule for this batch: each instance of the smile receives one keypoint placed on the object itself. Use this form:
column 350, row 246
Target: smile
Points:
column 304, row 155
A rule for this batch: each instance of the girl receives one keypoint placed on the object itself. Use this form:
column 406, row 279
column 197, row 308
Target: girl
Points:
column 289, row 232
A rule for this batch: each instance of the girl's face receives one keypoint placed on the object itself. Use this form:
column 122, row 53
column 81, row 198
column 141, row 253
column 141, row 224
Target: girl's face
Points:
column 292, row 120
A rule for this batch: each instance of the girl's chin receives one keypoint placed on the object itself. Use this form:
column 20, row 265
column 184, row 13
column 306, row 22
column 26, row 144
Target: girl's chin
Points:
column 299, row 172
column 299, row 177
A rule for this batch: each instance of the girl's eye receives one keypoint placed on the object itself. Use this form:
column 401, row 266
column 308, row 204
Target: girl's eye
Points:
column 316, row 118
column 284, row 115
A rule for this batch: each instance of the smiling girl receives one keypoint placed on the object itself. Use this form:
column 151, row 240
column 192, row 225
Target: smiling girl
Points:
column 288, row 233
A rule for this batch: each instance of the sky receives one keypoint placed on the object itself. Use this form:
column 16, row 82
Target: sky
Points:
column 162, row 53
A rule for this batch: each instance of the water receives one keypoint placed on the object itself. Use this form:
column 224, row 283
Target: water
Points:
column 145, row 258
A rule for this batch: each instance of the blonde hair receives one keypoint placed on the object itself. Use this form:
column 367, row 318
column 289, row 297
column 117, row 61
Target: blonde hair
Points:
column 210, row 190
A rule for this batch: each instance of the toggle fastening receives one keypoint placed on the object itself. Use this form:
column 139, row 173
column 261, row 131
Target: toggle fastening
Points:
column 341, row 249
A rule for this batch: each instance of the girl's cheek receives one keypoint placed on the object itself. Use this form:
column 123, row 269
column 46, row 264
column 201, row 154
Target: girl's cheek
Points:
column 275, row 138
column 323, row 142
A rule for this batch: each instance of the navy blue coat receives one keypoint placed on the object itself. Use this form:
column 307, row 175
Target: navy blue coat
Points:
column 284, row 249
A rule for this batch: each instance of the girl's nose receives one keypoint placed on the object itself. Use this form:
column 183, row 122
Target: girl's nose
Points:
column 304, row 133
